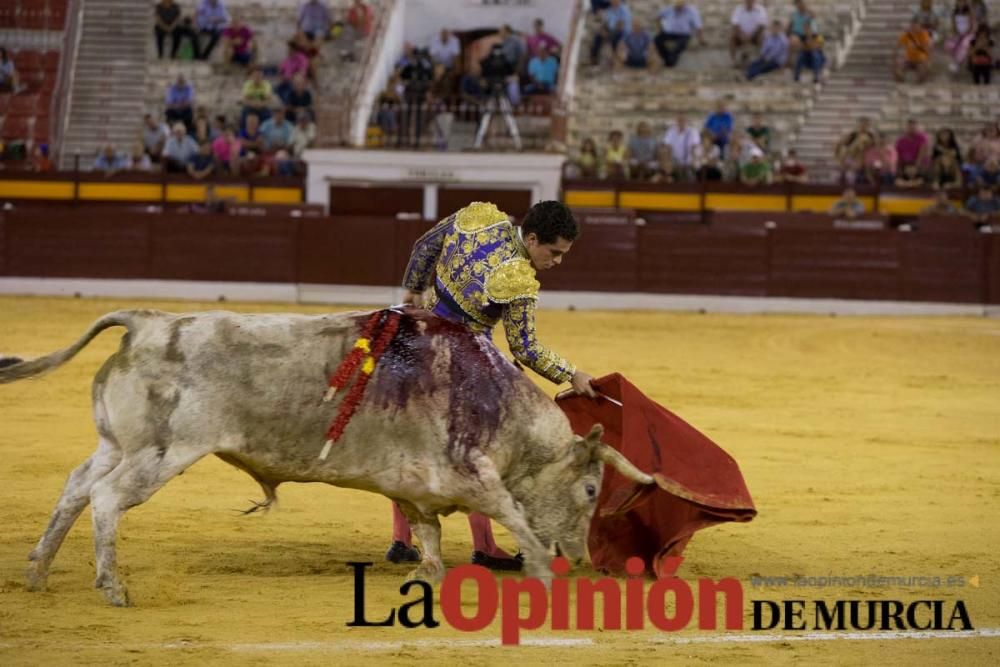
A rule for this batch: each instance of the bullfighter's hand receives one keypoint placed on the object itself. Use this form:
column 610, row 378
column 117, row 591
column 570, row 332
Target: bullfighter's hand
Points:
column 581, row 384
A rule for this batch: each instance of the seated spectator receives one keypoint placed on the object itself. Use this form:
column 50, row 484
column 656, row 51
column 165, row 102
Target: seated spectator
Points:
column 757, row 171
column 945, row 142
column 251, row 138
column 110, row 161
column 140, row 160
column 773, row 53
column 708, row 160
column 277, row 131
column 981, row 57
column 811, row 57
column 296, row 62
column 914, row 147
column 154, row 137
column 801, row 25
column 445, row 49
column 928, row 19
column 720, row 124
column 615, row 20
column 360, row 18
column 307, row 47
column 635, row 47
column 791, row 170
column 180, row 102
column 211, row 20
column 946, row 173
column 257, row 96
column 299, row 98
column 226, row 150
column 984, row 207
column 963, row 23
column 760, row 133
column 881, row 162
column 909, row 177
column 851, row 148
column 684, row 141
column 539, row 39
column 201, row 165
column 8, row 73
column 203, row 129
column 513, row 47
column 615, row 164
column 665, row 172
column 641, row 152
column 588, row 162
column 848, row 205
column 168, row 21
column 916, row 54
column 986, row 147
column 238, row 43
column 178, row 150
column 303, row 135
column 942, row 206
column 543, row 73
column 39, row 161
column 990, row 173
column 749, row 21
column 677, row 24
column 315, row 20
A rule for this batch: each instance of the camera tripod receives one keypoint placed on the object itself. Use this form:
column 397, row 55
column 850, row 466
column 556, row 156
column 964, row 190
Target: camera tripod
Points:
column 498, row 103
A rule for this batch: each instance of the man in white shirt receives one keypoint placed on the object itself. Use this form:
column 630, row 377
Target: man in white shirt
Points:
column 445, row 49
column 683, row 141
column 749, row 20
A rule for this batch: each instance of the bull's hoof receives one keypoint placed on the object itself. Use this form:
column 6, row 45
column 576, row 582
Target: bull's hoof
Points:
column 432, row 574
column 117, row 594
column 37, row 576
column 400, row 553
column 496, row 563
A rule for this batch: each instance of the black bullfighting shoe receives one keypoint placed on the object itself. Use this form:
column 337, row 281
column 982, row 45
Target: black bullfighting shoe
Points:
column 499, row 564
column 400, row 553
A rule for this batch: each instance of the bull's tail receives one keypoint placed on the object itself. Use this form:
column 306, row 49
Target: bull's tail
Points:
column 13, row 369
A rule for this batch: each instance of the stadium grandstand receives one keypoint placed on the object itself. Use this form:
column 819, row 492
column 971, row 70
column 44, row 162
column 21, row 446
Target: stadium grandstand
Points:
column 817, row 148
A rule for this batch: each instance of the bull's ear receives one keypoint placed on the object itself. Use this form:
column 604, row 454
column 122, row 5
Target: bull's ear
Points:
column 614, row 458
column 596, row 431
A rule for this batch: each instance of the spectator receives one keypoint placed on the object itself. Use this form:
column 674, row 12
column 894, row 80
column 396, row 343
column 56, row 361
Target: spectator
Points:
column 180, row 102
column 445, row 49
column 677, row 24
column 296, row 62
column 914, row 147
column 543, row 73
column 749, row 20
column 708, row 160
column 757, row 171
column 635, row 47
column 850, row 150
column 989, row 175
column 983, row 208
column 801, row 25
column 110, row 161
column 588, row 162
column 314, row 20
column 928, row 19
column 307, row 47
column 760, row 133
column 614, row 156
column 204, row 129
column 909, row 177
column 881, row 162
column 963, row 24
column 981, row 56
column 238, row 43
column 277, row 131
column 942, row 206
column 513, row 47
column 178, row 150
column 946, row 173
column 848, row 205
column 811, row 56
column 791, row 170
column 168, row 21
column 8, row 73
column 916, row 55
column 641, row 152
column 154, row 137
column 945, row 142
column 39, row 161
column 303, row 135
column 211, row 19
column 720, row 124
column 140, row 160
column 226, row 150
column 201, row 165
column 773, row 53
column 257, row 94
column 985, row 148
column 614, row 22
column 360, row 18
column 299, row 98
column 665, row 172
column 540, row 39
column 251, row 138
column 684, row 141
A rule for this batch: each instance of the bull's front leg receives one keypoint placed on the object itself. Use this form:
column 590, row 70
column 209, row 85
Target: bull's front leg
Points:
column 427, row 528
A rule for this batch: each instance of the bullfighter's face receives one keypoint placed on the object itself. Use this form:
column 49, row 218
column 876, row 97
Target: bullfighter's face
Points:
column 546, row 255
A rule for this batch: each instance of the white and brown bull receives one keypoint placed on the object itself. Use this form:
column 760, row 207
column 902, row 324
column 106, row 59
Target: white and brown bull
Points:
column 446, row 423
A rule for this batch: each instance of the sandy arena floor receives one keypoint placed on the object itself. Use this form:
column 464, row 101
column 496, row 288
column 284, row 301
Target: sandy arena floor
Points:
column 870, row 445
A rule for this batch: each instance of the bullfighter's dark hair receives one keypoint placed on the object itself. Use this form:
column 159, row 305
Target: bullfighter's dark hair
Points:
column 550, row 220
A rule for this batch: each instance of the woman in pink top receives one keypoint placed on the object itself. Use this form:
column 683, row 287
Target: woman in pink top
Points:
column 881, row 161
column 226, row 149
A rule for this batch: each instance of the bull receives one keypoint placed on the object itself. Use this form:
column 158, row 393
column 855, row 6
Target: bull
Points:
column 446, row 424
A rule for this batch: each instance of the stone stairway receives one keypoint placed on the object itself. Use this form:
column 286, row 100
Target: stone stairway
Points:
column 106, row 100
column 862, row 87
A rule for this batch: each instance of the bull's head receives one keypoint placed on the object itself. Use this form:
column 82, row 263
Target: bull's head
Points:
column 564, row 494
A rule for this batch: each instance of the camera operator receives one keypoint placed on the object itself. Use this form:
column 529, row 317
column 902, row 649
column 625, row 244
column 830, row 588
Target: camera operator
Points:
column 417, row 73
column 501, row 90
column 496, row 70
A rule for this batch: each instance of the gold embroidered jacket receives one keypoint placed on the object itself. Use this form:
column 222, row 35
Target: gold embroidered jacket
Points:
column 481, row 274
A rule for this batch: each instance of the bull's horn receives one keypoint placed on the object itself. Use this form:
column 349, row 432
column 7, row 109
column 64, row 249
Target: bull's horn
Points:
column 614, row 458
column 596, row 431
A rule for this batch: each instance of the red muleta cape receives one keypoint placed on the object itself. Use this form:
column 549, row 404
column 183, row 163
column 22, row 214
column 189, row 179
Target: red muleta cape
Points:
column 697, row 483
